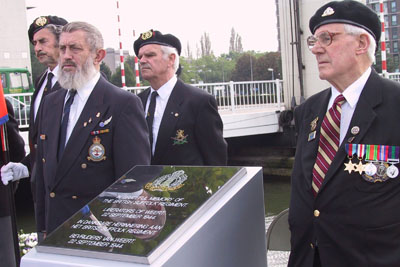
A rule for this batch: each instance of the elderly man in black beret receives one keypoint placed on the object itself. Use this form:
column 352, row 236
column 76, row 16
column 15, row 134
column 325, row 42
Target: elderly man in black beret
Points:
column 345, row 184
column 44, row 34
column 185, row 127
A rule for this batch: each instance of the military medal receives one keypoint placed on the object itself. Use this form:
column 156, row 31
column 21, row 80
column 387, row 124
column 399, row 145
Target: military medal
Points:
column 392, row 171
column 370, row 168
column 96, row 150
column 360, row 148
column 350, row 150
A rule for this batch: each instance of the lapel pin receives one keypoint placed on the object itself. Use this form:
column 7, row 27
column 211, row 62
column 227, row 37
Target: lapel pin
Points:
column 313, row 124
column 311, row 136
column 90, row 120
column 98, row 115
column 176, row 114
column 350, row 140
column 85, row 124
column 355, row 130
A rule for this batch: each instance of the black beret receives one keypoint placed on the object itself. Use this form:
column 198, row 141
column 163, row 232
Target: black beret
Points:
column 156, row 37
column 347, row 12
column 40, row 22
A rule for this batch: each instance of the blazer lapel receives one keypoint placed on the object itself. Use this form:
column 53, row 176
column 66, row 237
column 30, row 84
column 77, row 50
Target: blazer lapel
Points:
column 169, row 120
column 54, row 114
column 92, row 113
column 143, row 96
column 315, row 114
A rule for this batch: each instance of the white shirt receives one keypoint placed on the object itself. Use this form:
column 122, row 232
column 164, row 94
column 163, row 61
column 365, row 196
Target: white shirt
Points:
column 81, row 97
column 38, row 98
column 351, row 94
column 161, row 103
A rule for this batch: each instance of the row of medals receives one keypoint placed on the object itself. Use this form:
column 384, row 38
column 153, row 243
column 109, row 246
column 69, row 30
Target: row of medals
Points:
column 375, row 171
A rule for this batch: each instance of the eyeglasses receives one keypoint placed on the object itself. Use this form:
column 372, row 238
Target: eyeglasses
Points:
column 324, row 39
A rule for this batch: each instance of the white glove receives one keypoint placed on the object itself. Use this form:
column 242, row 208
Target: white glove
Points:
column 13, row 171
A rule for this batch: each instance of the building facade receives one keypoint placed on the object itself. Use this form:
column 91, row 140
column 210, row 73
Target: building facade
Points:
column 391, row 10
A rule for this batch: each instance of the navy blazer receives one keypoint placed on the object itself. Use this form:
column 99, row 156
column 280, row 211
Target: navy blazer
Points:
column 113, row 119
column 358, row 222
column 191, row 130
column 29, row 160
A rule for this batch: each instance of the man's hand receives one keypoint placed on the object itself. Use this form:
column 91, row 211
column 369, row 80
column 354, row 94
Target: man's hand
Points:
column 13, row 171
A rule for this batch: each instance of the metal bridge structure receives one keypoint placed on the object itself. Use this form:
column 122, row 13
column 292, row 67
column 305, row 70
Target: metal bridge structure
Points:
column 246, row 108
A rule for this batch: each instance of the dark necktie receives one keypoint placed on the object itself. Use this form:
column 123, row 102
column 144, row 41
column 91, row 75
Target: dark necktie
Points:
column 328, row 143
column 47, row 89
column 150, row 116
column 64, row 123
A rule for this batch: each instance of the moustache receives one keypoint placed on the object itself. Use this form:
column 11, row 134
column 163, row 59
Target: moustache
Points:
column 40, row 53
column 68, row 62
column 145, row 66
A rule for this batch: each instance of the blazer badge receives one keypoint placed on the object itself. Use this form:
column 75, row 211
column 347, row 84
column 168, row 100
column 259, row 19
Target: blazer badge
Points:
column 96, row 150
column 180, row 137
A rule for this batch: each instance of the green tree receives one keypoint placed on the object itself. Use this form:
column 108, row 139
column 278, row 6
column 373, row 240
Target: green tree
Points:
column 129, row 77
column 390, row 64
column 105, row 70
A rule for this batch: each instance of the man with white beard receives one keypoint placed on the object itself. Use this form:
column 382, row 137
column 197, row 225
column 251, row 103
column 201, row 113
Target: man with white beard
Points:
column 92, row 135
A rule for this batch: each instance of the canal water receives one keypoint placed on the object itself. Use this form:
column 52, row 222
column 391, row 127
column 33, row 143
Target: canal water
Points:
column 276, row 199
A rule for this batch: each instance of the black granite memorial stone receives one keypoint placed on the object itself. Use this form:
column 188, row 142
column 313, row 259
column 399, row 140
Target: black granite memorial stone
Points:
column 137, row 217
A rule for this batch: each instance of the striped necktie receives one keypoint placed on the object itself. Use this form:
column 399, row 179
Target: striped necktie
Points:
column 328, row 143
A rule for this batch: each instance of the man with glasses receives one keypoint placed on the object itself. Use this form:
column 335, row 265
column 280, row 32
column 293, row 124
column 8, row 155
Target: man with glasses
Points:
column 345, row 185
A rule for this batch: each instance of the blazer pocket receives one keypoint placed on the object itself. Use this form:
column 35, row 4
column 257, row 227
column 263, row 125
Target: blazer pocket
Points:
column 383, row 246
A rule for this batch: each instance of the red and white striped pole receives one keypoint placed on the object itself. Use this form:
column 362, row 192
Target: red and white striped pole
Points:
column 121, row 53
column 136, row 65
column 383, row 44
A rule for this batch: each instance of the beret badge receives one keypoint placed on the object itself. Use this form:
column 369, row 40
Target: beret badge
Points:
column 41, row 21
column 147, row 35
column 328, row 12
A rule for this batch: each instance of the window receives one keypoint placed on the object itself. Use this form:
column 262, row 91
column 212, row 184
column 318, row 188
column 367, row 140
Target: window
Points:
column 3, row 80
column 393, row 5
column 395, row 47
column 394, row 20
column 395, row 35
column 19, row 80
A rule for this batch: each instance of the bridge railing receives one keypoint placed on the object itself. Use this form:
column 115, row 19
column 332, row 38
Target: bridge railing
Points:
column 395, row 76
column 241, row 95
column 21, row 104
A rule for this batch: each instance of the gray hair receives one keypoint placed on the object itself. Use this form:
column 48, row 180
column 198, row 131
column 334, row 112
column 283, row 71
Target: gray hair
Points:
column 354, row 30
column 55, row 30
column 167, row 50
column 93, row 36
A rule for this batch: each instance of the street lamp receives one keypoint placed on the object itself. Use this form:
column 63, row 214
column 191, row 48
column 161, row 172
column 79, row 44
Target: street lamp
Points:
column 272, row 70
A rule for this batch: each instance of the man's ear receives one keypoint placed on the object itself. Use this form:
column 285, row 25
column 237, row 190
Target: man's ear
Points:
column 100, row 54
column 363, row 44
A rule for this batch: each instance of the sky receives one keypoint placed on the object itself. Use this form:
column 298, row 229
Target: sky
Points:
column 253, row 20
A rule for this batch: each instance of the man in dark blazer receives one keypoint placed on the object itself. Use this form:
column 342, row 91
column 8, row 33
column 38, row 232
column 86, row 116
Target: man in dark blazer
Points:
column 91, row 136
column 352, row 218
column 16, row 153
column 185, row 126
column 44, row 33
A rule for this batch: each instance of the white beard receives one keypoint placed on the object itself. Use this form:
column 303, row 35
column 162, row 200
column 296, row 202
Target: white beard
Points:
column 77, row 79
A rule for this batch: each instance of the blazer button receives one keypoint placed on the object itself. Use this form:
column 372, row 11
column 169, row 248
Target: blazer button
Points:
column 43, row 160
column 52, row 194
column 316, row 213
column 84, row 166
column 74, row 197
column 35, row 146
